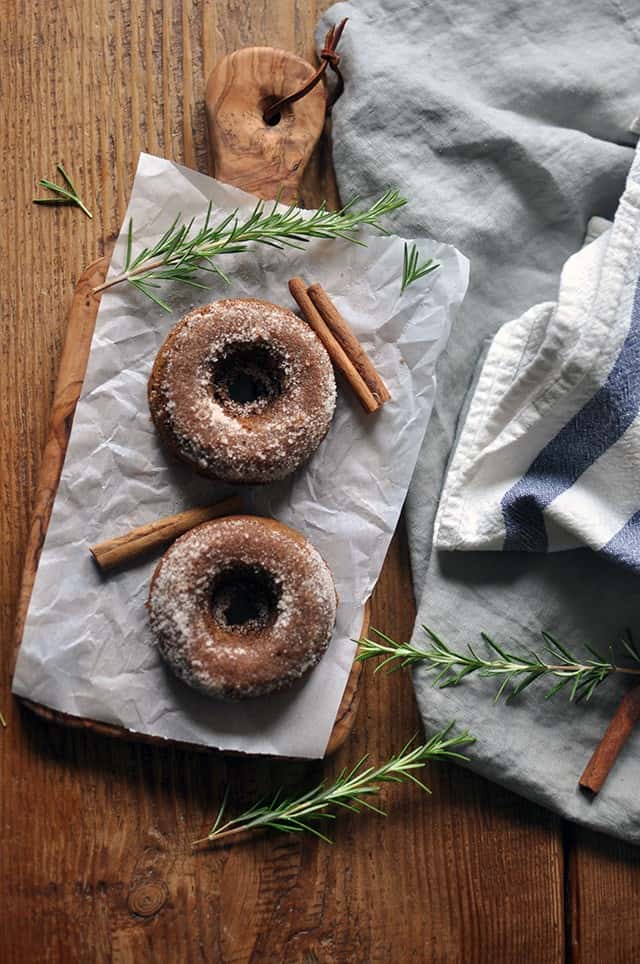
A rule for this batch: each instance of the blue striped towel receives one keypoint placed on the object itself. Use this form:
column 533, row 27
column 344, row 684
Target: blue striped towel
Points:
column 549, row 454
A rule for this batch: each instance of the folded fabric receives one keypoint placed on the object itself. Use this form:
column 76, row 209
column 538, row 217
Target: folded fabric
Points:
column 508, row 127
column 549, row 455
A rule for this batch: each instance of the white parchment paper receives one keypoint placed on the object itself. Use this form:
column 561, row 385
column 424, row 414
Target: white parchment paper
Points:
column 87, row 649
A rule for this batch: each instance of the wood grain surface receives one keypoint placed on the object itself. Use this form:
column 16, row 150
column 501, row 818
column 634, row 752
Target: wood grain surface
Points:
column 96, row 858
column 264, row 159
column 71, row 371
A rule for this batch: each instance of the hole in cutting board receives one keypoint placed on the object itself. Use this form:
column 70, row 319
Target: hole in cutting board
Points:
column 265, row 104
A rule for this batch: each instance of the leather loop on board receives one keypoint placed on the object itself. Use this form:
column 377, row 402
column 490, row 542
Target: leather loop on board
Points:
column 329, row 58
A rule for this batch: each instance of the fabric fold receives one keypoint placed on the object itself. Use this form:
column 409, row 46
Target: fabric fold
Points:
column 509, row 130
column 549, row 455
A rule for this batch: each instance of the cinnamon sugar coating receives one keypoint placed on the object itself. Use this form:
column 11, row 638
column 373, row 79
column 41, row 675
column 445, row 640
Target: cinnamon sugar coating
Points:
column 242, row 390
column 241, row 607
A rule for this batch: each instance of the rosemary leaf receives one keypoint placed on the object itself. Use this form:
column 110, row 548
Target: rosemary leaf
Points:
column 183, row 249
column 64, row 195
column 350, row 791
column 413, row 269
column 515, row 671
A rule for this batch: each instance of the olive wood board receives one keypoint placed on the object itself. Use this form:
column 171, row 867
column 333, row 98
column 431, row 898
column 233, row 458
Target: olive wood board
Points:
column 267, row 160
column 73, row 364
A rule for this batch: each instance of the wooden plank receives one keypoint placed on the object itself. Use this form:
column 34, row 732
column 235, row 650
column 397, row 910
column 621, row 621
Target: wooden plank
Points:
column 96, row 834
column 603, row 881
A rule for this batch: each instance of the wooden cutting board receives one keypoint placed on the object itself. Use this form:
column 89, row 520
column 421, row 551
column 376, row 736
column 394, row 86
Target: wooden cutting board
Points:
column 266, row 160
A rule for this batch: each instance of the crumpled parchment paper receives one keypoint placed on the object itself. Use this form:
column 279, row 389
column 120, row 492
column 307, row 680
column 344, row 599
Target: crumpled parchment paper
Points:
column 87, row 649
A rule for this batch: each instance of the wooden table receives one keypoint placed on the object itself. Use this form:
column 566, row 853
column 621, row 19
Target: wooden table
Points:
column 96, row 860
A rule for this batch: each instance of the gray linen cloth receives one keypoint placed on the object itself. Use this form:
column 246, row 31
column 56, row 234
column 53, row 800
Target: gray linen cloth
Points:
column 508, row 126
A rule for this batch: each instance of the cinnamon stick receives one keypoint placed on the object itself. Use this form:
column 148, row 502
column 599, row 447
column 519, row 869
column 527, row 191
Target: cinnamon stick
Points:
column 123, row 549
column 616, row 735
column 343, row 333
column 335, row 351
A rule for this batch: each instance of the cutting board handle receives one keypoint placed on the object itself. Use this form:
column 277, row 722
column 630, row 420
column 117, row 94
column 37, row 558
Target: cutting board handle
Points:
column 264, row 159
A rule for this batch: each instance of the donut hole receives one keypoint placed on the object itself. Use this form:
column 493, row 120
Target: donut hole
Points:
column 245, row 598
column 247, row 378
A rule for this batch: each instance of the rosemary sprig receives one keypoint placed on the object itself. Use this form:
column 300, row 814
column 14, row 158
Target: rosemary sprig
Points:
column 64, row 195
column 412, row 269
column 350, row 791
column 516, row 670
column 183, row 250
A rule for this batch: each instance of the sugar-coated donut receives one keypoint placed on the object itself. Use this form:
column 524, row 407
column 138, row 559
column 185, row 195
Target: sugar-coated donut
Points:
column 242, row 606
column 242, row 390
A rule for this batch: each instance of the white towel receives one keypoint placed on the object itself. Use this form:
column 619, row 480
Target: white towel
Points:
column 549, row 455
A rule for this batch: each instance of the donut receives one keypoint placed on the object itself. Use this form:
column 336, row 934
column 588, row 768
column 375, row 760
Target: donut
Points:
column 241, row 607
column 243, row 391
